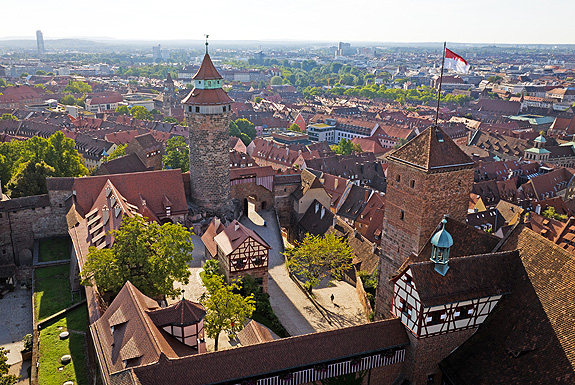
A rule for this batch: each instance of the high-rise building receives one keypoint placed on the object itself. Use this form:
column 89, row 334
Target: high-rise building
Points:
column 40, row 42
column 208, row 110
column 157, row 52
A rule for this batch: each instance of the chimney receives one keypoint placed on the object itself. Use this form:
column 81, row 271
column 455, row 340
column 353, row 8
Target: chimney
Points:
column 538, row 209
column 236, row 226
column 336, row 183
column 217, row 222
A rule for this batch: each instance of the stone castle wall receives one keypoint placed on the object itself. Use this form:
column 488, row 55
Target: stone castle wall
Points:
column 424, row 355
column 210, row 160
column 414, row 208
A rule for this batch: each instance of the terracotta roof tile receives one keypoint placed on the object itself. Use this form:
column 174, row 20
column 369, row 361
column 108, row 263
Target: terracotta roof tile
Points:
column 528, row 338
column 207, row 70
column 431, row 150
column 234, row 365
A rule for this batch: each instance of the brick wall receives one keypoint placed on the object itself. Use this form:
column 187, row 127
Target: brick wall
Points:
column 209, row 160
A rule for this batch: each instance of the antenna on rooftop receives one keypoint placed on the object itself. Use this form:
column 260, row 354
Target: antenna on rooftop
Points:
column 207, row 43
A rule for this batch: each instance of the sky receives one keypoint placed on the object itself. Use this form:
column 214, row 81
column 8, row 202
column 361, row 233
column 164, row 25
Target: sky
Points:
column 461, row 21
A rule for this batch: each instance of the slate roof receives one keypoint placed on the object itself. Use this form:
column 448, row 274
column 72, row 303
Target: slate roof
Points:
column 432, row 150
column 529, row 337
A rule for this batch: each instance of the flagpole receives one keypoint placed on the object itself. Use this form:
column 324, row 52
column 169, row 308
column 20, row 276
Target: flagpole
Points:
column 440, row 81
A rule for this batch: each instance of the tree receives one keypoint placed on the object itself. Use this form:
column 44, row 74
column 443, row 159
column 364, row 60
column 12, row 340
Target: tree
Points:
column 24, row 74
column 140, row 112
column 5, row 378
column 169, row 119
column 2, row 82
column 276, row 81
column 551, row 213
column 400, row 143
column 40, row 73
column 68, row 100
column 346, row 147
column 211, row 267
column 177, row 154
column 122, row 110
column 225, row 310
column 318, row 257
column 78, row 88
column 294, row 127
column 64, row 157
column 8, row 117
column 118, row 152
column 30, row 179
column 234, row 130
column 258, row 99
column 494, row 79
column 150, row 256
column 247, row 128
column 57, row 152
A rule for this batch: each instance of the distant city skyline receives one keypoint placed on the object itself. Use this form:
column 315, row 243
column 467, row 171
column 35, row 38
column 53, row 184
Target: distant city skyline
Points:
column 486, row 21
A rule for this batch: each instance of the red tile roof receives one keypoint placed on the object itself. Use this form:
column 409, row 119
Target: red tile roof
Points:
column 151, row 186
column 207, row 97
column 207, row 70
column 234, row 365
column 431, row 150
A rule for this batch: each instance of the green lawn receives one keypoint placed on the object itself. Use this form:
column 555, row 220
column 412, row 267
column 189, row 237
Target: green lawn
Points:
column 52, row 348
column 51, row 290
column 56, row 249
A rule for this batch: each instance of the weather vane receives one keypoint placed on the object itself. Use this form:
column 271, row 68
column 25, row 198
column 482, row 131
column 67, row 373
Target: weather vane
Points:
column 207, row 43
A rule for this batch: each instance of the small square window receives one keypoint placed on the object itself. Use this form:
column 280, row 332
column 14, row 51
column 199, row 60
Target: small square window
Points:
column 402, row 215
column 197, row 109
column 398, row 178
column 412, row 184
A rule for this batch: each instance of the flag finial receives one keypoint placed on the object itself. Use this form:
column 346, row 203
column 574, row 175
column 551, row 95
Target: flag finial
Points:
column 207, row 43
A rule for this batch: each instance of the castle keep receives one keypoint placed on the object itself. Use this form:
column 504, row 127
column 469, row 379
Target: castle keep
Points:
column 208, row 112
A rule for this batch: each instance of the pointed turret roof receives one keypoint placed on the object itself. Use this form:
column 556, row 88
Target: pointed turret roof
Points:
column 432, row 150
column 207, row 70
column 212, row 94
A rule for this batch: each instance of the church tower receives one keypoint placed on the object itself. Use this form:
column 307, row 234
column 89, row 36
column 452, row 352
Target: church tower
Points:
column 427, row 178
column 208, row 112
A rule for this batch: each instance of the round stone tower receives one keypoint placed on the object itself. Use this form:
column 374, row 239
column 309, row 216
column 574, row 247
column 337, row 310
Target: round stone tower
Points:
column 208, row 112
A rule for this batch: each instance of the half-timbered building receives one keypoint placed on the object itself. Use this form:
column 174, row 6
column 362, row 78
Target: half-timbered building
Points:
column 239, row 250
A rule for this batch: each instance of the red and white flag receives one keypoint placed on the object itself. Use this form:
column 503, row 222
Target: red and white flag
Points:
column 455, row 62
